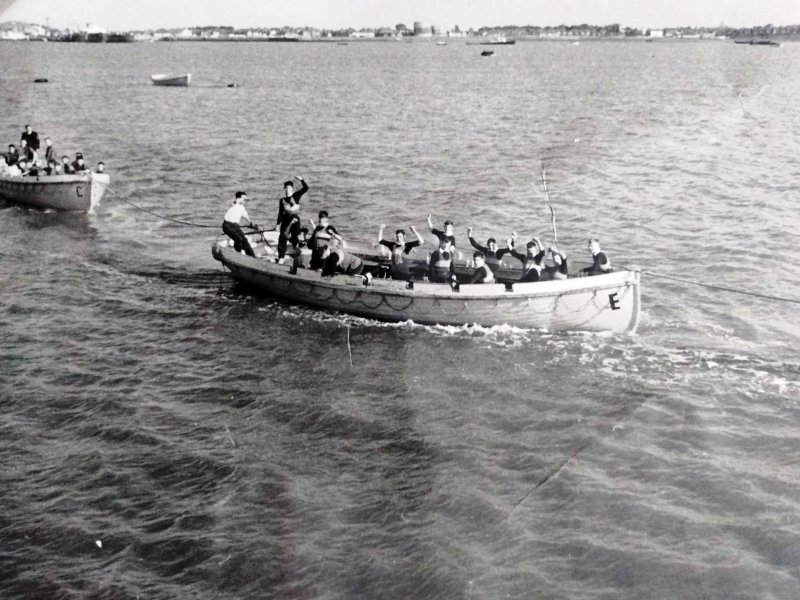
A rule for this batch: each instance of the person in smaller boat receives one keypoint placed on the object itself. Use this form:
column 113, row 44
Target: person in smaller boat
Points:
column 78, row 165
column 339, row 261
column 12, row 156
column 554, row 265
column 600, row 262
column 447, row 233
column 492, row 254
column 66, row 166
column 51, row 168
column 30, row 137
column 482, row 274
column 289, row 216
column 532, row 260
column 26, row 152
column 49, row 151
column 235, row 217
column 399, row 247
column 101, row 167
column 441, row 268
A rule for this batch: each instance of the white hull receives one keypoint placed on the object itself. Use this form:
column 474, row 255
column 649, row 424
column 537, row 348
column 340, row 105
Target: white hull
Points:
column 57, row 192
column 172, row 80
column 609, row 302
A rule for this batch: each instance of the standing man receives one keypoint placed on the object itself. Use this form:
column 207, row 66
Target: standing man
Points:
column 49, row 151
column 289, row 216
column 30, row 137
column 235, row 217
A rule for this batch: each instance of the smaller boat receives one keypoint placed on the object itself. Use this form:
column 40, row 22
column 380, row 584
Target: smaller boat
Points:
column 487, row 53
column 441, row 43
column 171, row 80
column 758, row 42
column 40, row 80
column 81, row 193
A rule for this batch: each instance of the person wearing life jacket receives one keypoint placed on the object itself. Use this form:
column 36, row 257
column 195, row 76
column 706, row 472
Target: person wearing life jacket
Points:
column 447, row 233
column 339, row 261
column 600, row 262
column 289, row 216
column 324, row 234
column 441, row 268
column 554, row 265
column 398, row 248
column 492, row 254
column 482, row 274
column 304, row 257
column 532, row 260
column 235, row 217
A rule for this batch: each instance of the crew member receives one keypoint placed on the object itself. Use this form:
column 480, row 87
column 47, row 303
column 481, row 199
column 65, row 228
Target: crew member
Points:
column 554, row 265
column 600, row 262
column 441, row 268
column 492, row 254
column 532, row 260
column 235, row 217
column 289, row 216
column 447, row 233
column 30, row 137
column 339, row 261
column 482, row 274
column 399, row 247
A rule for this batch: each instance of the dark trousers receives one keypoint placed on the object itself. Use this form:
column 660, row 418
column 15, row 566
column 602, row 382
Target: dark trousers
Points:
column 290, row 232
column 234, row 231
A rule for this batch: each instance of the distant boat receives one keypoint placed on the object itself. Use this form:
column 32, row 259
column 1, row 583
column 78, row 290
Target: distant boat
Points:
column 171, row 80
column 56, row 192
column 499, row 40
column 487, row 53
column 441, row 43
column 758, row 42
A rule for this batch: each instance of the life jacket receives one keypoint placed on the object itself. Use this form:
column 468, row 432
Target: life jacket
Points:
column 489, row 275
column 321, row 237
column 290, row 207
column 441, row 260
column 551, row 269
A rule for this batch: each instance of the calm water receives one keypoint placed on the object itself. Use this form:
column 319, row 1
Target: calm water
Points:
column 166, row 434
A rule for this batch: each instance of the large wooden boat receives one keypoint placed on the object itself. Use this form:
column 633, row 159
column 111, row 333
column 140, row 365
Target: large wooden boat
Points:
column 609, row 302
column 182, row 80
column 56, row 192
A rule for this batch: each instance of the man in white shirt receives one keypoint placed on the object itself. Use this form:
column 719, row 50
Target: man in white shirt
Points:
column 235, row 217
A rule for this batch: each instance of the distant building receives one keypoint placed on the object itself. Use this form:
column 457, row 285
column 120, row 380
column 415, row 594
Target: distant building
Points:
column 656, row 33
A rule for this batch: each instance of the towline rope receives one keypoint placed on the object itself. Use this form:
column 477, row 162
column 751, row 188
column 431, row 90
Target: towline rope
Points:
column 723, row 288
column 160, row 216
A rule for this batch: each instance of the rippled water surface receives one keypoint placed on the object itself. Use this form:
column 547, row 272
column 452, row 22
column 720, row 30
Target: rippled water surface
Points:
column 168, row 434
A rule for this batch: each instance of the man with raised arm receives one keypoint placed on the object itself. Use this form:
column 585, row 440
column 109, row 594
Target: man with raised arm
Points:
column 289, row 216
column 399, row 247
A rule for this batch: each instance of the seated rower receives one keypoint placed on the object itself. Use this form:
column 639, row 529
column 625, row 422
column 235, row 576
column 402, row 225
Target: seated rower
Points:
column 399, row 247
column 235, row 217
column 492, row 255
column 532, row 260
column 66, row 166
column 441, row 268
column 482, row 274
column 600, row 262
column 339, row 261
column 554, row 265
column 447, row 233
column 26, row 152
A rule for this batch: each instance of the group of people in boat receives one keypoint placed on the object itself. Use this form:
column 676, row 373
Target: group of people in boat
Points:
column 30, row 160
column 322, row 247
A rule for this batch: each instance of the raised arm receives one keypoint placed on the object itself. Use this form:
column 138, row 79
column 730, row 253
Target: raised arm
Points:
column 416, row 233
column 430, row 222
column 475, row 244
column 303, row 188
column 380, row 232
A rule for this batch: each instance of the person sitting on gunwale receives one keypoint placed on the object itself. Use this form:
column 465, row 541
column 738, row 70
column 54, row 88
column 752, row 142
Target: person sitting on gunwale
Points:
column 554, row 265
column 532, row 260
column 482, row 274
column 600, row 262
column 339, row 261
column 235, row 217
column 441, row 268
column 12, row 156
column 289, row 216
column 399, row 247
column 447, row 233
column 492, row 254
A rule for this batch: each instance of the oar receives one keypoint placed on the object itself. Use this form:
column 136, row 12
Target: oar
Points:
column 550, row 206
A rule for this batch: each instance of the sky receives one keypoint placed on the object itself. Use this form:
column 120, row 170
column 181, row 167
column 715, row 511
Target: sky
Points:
column 334, row 14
